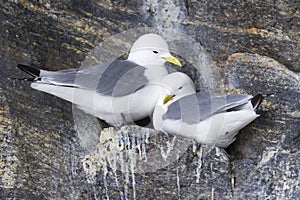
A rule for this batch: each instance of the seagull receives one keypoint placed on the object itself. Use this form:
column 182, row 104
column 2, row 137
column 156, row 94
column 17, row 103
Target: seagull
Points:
column 118, row 92
column 209, row 118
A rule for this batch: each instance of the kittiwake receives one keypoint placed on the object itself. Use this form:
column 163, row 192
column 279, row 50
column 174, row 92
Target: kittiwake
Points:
column 119, row 92
column 209, row 118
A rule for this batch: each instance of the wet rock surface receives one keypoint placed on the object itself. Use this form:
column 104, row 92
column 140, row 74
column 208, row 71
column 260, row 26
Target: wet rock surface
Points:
column 255, row 48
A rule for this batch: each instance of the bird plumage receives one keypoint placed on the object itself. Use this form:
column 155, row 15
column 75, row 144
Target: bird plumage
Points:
column 118, row 92
column 209, row 118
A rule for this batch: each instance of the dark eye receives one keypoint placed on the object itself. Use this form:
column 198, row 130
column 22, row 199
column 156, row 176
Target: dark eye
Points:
column 180, row 88
column 156, row 52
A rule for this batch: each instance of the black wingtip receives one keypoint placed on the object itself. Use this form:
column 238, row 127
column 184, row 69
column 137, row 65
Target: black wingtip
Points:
column 29, row 70
column 257, row 99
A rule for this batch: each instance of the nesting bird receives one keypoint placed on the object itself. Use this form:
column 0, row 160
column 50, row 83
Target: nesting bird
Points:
column 123, row 91
column 119, row 92
column 209, row 118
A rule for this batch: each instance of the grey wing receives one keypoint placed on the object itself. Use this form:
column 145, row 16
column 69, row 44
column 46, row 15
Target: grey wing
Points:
column 118, row 78
column 81, row 78
column 197, row 107
column 121, row 78
column 62, row 77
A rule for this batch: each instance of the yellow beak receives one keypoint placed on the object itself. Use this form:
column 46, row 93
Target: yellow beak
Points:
column 168, row 98
column 173, row 60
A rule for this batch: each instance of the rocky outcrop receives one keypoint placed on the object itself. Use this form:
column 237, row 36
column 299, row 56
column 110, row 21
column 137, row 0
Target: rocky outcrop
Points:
column 264, row 155
column 245, row 47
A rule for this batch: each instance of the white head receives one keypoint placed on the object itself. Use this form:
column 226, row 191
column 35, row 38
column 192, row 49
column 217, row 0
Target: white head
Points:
column 151, row 49
column 176, row 85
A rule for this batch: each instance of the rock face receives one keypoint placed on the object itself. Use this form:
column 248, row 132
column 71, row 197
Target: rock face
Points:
column 249, row 47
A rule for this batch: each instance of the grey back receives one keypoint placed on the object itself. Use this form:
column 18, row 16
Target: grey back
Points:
column 118, row 78
column 197, row 107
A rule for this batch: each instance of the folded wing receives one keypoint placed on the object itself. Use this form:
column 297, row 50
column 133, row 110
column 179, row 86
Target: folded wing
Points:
column 197, row 107
column 117, row 78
